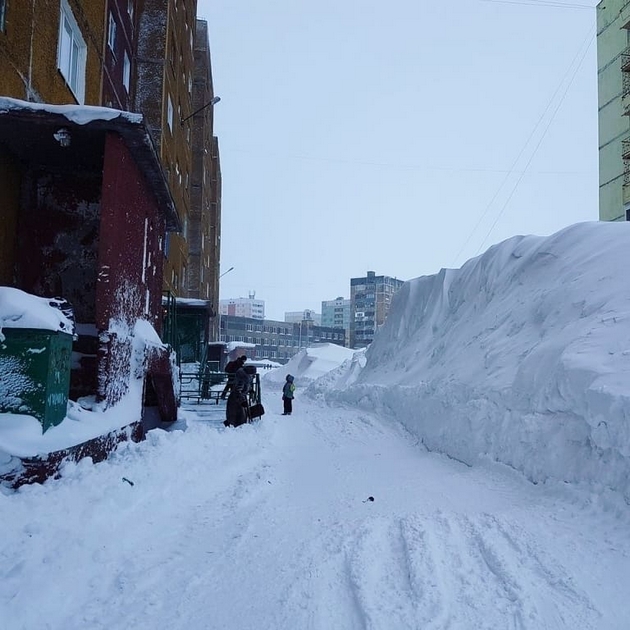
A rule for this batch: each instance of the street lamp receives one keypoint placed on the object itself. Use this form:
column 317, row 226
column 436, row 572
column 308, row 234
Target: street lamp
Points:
column 219, row 278
column 214, row 101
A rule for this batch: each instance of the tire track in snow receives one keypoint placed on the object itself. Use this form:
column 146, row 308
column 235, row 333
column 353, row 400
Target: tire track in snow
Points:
column 515, row 557
column 522, row 587
column 391, row 571
column 424, row 571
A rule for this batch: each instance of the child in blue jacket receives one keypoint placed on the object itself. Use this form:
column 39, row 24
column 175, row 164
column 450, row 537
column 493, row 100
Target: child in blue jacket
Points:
column 287, row 395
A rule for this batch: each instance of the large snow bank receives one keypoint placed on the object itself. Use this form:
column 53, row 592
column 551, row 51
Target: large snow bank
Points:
column 521, row 356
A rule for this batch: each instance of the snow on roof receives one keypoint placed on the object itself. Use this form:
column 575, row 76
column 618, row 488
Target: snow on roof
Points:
column 233, row 345
column 22, row 310
column 192, row 301
column 78, row 114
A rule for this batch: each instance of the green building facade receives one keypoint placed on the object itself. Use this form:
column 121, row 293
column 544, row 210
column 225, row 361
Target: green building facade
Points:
column 613, row 81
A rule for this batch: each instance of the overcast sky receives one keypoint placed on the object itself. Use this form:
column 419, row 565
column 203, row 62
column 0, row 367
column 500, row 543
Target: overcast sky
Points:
column 398, row 137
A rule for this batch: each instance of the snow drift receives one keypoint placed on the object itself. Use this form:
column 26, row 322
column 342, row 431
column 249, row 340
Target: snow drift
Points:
column 521, row 356
column 311, row 363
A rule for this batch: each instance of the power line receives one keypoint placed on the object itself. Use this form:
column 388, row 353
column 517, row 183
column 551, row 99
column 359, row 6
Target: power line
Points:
column 549, row 4
column 393, row 165
column 529, row 161
column 538, row 124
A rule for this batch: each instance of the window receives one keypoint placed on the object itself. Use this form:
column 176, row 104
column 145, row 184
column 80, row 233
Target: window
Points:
column 71, row 53
column 169, row 112
column 167, row 244
column 126, row 71
column 111, row 34
column 3, row 11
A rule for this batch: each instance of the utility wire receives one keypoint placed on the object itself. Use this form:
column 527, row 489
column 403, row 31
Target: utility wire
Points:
column 550, row 4
column 529, row 161
column 392, row 165
column 538, row 124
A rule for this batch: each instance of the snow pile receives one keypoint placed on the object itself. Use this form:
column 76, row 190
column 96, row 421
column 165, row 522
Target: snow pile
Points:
column 21, row 435
column 311, row 363
column 22, row 310
column 521, row 356
column 339, row 378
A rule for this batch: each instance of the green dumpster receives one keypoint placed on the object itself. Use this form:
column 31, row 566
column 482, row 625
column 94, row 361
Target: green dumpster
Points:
column 35, row 373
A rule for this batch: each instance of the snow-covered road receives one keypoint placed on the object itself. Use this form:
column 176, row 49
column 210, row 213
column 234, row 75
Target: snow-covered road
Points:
column 269, row 527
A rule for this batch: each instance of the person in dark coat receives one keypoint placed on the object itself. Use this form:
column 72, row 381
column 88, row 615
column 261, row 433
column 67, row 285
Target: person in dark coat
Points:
column 238, row 400
column 287, row 395
column 230, row 370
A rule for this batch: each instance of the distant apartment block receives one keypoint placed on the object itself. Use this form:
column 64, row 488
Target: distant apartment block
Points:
column 243, row 307
column 370, row 300
column 295, row 317
column 275, row 340
column 336, row 314
column 613, row 78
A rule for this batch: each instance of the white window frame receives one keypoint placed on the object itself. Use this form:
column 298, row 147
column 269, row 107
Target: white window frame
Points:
column 71, row 53
column 111, row 33
column 126, row 71
column 169, row 112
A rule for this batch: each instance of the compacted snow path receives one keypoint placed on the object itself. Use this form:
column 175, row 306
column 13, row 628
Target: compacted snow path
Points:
column 270, row 527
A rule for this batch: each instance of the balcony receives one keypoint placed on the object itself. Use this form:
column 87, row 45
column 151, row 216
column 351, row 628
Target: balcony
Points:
column 625, row 93
column 625, row 155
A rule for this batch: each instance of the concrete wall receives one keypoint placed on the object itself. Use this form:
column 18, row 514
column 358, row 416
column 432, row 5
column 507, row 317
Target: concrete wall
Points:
column 58, row 237
column 165, row 68
column 10, row 179
column 129, row 264
column 115, row 94
column 130, row 256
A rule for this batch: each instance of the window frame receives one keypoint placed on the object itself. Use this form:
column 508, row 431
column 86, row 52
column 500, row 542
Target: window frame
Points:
column 73, row 60
column 3, row 16
column 126, row 71
column 111, row 33
column 170, row 112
